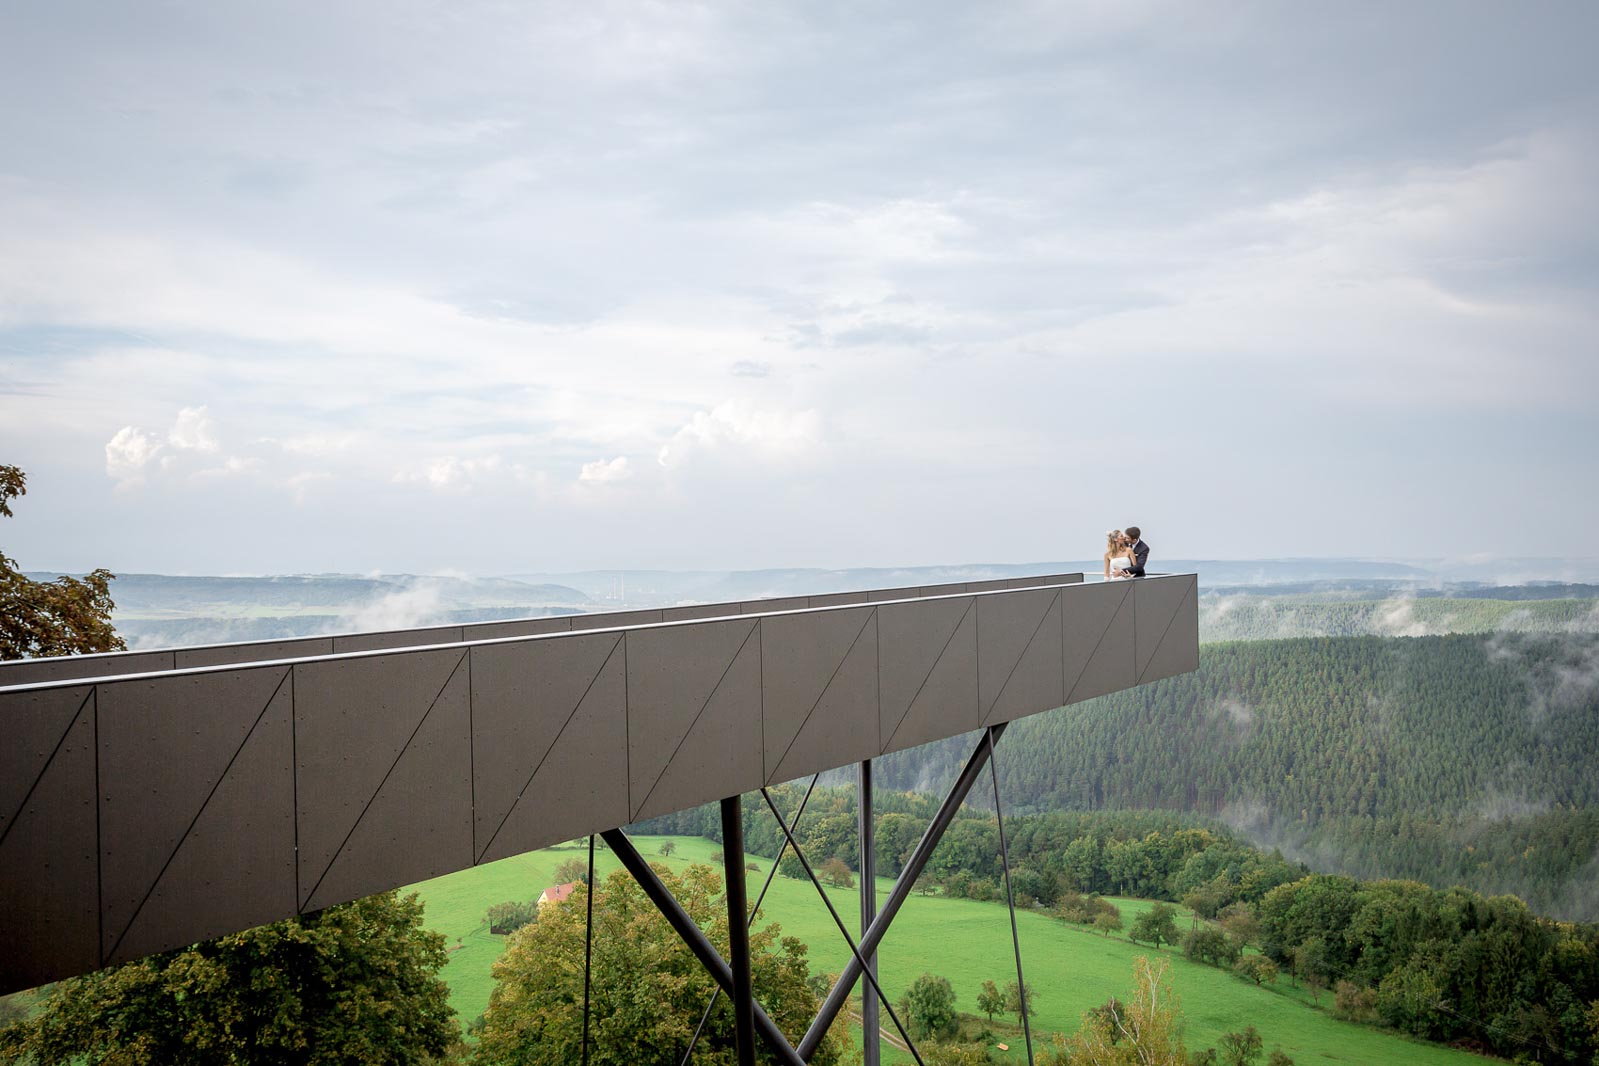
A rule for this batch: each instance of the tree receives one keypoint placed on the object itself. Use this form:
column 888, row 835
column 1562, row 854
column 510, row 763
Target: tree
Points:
column 1156, row 925
column 1144, row 1032
column 835, row 873
column 647, row 990
column 1354, row 1003
column 508, row 917
column 1241, row 1049
column 572, row 870
column 667, row 847
column 1241, row 924
column 67, row 616
column 1014, row 1001
column 1279, row 1057
column 1310, row 965
column 990, row 1000
column 1256, row 968
column 357, row 982
column 928, row 1008
column 1109, row 922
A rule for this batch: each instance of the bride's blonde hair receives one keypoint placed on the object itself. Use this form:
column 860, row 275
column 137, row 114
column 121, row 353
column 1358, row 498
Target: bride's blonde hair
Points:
column 1113, row 539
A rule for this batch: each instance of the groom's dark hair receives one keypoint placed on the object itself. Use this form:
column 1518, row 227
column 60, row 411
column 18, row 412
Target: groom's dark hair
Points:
column 1134, row 532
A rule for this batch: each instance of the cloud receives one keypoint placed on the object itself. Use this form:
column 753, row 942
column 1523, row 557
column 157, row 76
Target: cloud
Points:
column 735, row 425
column 605, row 471
column 128, row 453
column 193, row 430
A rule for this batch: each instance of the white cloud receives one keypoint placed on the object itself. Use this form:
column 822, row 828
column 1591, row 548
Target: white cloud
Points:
column 450, row 472
column 735, row 424
column 193, row 430
column 128, row 453
column 605, row 471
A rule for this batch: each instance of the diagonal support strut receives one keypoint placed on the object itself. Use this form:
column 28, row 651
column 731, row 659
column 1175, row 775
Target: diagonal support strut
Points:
column 696, row 940
column 914, row 865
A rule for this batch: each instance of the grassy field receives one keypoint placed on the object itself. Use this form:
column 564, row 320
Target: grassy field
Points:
column 1071, row 969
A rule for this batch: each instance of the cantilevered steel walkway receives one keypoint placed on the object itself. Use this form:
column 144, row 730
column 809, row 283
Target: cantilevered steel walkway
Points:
column 149, row 800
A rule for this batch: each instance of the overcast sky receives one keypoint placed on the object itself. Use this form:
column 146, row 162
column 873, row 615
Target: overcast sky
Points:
column 498, row 287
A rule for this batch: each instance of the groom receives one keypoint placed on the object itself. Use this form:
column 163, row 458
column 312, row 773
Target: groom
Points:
column 1140, row 552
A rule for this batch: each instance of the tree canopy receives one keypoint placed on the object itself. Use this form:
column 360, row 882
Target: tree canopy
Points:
column 647, row 990
column 67, row 616
column 357, row 982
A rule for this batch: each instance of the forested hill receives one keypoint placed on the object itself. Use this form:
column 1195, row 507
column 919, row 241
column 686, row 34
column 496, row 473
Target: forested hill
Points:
column 1457, row 759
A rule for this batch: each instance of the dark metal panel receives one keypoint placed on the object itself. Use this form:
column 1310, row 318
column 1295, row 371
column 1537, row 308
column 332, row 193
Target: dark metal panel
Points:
column 819, row 690
column 528, row 698
column 1099, row 621
column 1019, row 664
column 910, row 592
column 398, row 638
column 947, row 703
column 693, row 713
column 352, row 720
column 838, row 599
column 418, row 823
column 776, row 603
column 232, row 654
column 1005, row 627
column 943, row 590
column 235, row 867
column 148, row 798
column 1178, row 649
column 521, row 627
column 697, row 611
column 34, row 725
column 73, row 667
column 49, row 878
column 991, row 585
column 911, row 637
column 617, row 619
column 582, row 783
column 1155, row 604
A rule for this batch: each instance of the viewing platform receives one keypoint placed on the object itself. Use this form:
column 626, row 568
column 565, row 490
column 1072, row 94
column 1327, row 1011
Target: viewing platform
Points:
column 152, row 799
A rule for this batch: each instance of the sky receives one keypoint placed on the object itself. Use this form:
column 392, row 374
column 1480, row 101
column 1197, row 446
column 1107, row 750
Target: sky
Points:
column 483, row 287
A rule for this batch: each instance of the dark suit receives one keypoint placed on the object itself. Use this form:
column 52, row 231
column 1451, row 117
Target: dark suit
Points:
column 1140, row 556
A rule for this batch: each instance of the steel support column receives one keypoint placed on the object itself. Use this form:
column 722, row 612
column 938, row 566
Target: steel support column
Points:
column 896, row 897
column 871, row 1049
column 696, row 940
column 738, row 931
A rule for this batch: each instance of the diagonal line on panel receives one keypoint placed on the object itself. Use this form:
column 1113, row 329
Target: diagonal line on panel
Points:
column 870, row 615
column 1018, row 664
column 1089, row 661
column 1193, row 590
column 970, row 604
column 72, row 721
column 684, row 738
column 379, row 790
column 554, row 741
column 223, row 776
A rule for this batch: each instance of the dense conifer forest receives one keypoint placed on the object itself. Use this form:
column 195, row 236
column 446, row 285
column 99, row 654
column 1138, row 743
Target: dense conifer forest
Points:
column 1450, row 760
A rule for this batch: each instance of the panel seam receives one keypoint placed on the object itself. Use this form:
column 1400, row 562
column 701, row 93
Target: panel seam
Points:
column 1088, row 661
column 1018, row 665
column 1169, row 623
column 198, row 814
column 62, row 739
column 970, row 607
column 823, row 694
column 554, row 741
column 696, row 721
column 334, row 861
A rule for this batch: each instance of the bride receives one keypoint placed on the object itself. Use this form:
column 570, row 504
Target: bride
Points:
column 1118, row 552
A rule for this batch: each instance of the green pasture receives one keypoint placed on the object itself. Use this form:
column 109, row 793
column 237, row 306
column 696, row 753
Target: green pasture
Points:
column 1071, row 969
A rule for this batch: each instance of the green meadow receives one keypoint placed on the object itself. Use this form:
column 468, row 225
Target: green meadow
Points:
column 1071, row 969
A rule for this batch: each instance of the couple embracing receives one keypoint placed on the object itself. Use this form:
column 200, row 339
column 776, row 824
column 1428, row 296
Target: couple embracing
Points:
column 1125, row 553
